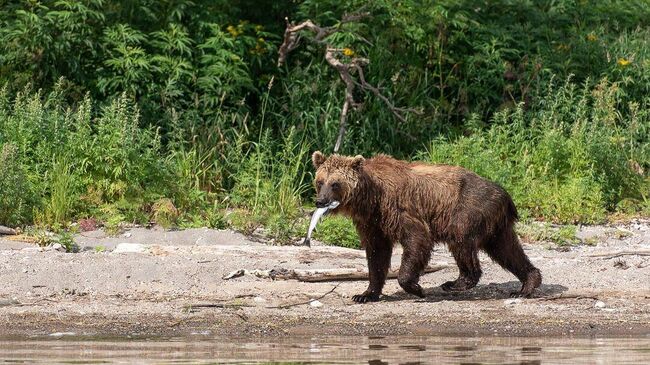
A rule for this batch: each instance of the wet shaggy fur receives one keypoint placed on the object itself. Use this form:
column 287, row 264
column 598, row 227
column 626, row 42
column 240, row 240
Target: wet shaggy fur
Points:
column 417, row 204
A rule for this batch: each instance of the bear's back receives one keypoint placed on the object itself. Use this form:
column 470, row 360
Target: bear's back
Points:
column 437, row 190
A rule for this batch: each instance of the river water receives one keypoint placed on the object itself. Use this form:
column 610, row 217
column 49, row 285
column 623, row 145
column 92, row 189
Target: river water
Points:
column 327, row 350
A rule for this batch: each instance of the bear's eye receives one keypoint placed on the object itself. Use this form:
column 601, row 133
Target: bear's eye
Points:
column 319, row 183
column 336, row 186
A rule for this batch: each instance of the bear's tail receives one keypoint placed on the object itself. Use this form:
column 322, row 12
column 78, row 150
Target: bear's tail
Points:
column 512, row 210
column 511, row 215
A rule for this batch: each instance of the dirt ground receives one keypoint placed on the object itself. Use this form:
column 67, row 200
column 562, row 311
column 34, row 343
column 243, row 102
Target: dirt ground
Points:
column 169, row 283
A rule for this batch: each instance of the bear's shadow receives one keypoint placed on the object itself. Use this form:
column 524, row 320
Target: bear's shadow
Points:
column 480, row 292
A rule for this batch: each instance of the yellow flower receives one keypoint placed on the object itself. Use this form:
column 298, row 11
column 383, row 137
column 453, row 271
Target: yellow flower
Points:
column 260, row 40
column 623, row 62
column 563, row 47
column 233, row 32
column 591, row 37
column 348, row 52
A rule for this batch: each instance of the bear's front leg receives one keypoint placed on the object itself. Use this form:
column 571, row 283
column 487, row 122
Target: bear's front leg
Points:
column 378, row 254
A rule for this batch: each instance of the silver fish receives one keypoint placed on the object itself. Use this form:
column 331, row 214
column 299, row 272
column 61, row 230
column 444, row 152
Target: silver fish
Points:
column 318, row 213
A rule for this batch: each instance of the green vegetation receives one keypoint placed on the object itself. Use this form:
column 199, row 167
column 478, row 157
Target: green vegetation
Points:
column 175, row 111
column 562, row 236
column 337, row 230
column 571, row 161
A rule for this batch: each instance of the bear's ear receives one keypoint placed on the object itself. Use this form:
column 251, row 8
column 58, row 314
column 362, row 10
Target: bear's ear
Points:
column 317, row 159
column 357, row 162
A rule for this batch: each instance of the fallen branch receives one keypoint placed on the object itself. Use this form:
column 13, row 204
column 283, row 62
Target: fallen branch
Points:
column 191, row 308
column 214, row 305
column 572, row 295
column 611, row 255
column 594, row 295
column 333, row 58
column 7, row 231
column 217, row 305
column 317, row 275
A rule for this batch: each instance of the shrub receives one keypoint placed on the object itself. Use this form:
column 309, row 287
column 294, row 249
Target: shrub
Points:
column 337, row 230
column 570, row 161
column 17, row 198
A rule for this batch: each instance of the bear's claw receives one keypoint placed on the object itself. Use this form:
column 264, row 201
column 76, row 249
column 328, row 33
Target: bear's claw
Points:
column 460, row 284
column 365, row 298
column 453, row 286
column 520, row 294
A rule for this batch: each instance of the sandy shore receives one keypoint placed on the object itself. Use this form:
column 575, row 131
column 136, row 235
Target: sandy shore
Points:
column 169, row 283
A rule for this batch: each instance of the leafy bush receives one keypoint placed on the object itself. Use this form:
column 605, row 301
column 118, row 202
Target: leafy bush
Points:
column 570, row 161
column 337, row 230
column 16, row 194
column 83, row 165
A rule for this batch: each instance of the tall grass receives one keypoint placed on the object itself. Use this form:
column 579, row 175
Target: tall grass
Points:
column 271, row 181
column 17, row 196
column 60, row 164
column 59, row 207
column 579, row 153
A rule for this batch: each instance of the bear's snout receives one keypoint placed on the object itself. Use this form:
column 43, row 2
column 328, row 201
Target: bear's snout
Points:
column 325, row 196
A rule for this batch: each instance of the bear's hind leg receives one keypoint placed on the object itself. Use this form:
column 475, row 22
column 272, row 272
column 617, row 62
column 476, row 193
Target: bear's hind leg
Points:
column 506, row 250
column 413, row 263
column 416, row 242
column 466, row 256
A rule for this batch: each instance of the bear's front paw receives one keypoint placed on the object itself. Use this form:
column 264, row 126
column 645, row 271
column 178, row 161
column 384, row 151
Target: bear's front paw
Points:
column 366, row 297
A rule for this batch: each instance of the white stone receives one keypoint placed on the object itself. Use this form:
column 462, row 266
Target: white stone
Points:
column 58, row 247
column 130, row 248
column 316, row 304
column 599, row 304
column 259, row 300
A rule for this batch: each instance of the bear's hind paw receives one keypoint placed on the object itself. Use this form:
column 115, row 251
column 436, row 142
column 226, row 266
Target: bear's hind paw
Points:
column 521, row 294
column 453, row 286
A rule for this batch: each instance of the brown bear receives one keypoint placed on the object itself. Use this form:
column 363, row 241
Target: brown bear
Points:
column 417, row 205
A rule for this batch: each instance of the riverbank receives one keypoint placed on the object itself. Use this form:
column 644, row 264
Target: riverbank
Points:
column 152, row 282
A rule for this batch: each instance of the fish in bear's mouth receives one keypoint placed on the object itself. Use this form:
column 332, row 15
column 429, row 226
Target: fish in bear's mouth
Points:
column 318, row 213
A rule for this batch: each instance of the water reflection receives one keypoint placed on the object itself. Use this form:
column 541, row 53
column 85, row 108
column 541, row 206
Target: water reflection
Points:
column 340, row 350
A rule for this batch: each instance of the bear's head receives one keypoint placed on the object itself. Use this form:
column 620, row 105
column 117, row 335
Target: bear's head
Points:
column 337, row 177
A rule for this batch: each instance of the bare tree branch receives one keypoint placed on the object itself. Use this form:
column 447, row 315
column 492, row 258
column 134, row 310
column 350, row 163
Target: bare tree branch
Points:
column 345, row 69
column 395, row 110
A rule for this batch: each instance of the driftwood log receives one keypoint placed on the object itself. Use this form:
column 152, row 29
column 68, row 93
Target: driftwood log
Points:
column 611, row 255
column 316, row 275
column 7, row 231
